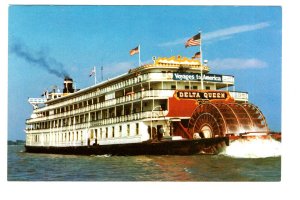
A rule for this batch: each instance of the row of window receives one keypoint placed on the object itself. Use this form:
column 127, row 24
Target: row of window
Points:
column 97, row 115
column 110, row 88
column 115, row 131
column 77, row 105
column 100, row 133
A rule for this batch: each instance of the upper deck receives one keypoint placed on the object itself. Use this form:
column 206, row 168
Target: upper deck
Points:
column 164, row 70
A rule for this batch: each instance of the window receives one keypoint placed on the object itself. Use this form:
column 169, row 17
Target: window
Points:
column 137, row 128
column 128, row 129
column 195, row 87
column 113, row 131
column 92, row 134
column 98, row 114
column 207, row 87
column 65, row 122
column 120, row 131
column 186, row 87
column 94, row 100
column 101, row 99
column 106, row 132
column 92, row 116
column 173, row 87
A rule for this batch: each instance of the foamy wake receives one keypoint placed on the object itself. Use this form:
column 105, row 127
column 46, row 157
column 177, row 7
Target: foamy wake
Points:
column 253, row 148
column 102, row 156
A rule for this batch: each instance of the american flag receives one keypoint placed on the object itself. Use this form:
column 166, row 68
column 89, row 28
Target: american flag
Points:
column 197, row 55
column 193, row 41
column 134, row 51
column 92, row 73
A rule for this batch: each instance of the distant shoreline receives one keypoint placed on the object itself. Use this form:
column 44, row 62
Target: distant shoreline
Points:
column 16, row 142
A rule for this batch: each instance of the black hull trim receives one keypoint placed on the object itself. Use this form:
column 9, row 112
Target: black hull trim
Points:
column 175, row 147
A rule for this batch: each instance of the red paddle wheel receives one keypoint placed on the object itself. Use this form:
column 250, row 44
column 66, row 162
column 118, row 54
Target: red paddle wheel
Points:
column 226, row 119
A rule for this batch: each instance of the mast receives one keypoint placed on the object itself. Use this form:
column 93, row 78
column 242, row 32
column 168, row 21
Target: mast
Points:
column 101, row 73
column 95, row 77
column 201, row 63
column 139, row 55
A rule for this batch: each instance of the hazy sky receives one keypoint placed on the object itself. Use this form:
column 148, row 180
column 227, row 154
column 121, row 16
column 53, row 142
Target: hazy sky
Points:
column 48, row 42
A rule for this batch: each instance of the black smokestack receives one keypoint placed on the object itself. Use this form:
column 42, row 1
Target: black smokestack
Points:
column 40, row 60
column 68, row 85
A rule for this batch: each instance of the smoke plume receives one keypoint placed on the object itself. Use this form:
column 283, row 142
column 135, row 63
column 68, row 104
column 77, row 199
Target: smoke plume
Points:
column 39, row 59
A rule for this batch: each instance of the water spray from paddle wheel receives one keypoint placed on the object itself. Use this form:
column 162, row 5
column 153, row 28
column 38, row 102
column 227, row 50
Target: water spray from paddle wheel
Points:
column 227, row 119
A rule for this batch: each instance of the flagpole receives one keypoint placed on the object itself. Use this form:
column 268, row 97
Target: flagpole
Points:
column 139, row 55
column 200, row 49
column 101, row 73
column 95, row 77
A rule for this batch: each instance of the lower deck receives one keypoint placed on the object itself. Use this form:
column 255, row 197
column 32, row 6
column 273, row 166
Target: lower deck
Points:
column 163, row 147
column 119, row 133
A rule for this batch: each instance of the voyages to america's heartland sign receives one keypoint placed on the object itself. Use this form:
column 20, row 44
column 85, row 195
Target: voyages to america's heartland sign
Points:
column 197, row 76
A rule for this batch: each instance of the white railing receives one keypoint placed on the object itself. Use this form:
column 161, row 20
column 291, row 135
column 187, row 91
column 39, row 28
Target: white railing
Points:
column 108, row 103
column 153, row 76
column 101, row 122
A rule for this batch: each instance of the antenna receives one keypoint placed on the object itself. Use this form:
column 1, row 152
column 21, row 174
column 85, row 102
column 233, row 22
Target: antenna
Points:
column 101, row 73
column 75, row 89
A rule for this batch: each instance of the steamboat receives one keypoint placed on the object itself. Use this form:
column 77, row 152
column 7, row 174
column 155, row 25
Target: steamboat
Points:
column 171, row 106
